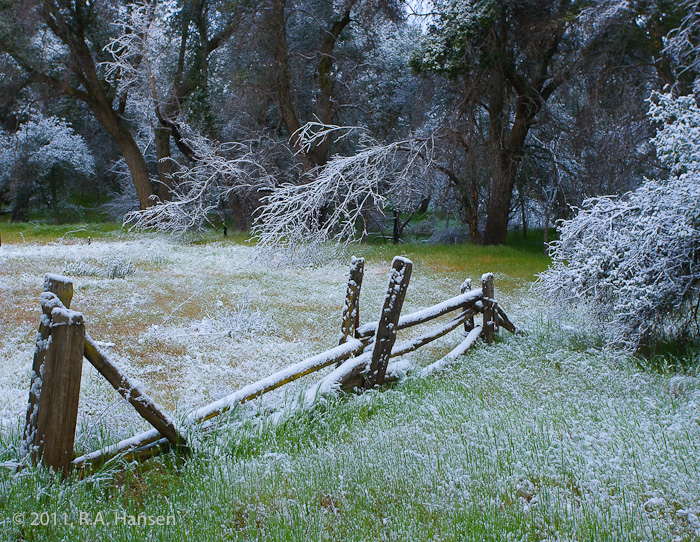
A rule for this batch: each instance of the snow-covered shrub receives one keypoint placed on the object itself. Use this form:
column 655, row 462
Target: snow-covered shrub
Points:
column 112, row 268
column 635, row 259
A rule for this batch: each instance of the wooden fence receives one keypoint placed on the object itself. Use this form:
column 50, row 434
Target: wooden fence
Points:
column 361, row 360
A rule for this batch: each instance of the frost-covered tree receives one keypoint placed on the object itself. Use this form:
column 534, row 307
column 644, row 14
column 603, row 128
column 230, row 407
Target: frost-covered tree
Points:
column 60, row 45
column 199, row 189
column 508, row 55
column 334, row 203
column 42, row 158
column 508, row 65
column 635, row 259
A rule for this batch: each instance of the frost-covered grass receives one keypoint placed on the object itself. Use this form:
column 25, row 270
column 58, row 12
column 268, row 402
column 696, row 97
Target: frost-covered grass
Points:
column 195, row 322
column 541, row 437
column 545, row 436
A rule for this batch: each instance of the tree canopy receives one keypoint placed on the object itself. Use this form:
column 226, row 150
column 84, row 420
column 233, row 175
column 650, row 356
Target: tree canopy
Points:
column 502, row 113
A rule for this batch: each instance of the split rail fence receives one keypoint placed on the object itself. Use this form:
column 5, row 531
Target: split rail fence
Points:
column 361, row 359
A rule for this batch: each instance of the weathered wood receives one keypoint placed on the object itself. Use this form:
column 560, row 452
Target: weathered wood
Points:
column 504, row 320
column 465, row 345
column 151, row 447
column 420, row 341
column 278, row 379
column 61, row 286
column 357, row 354
column 56, row 411
column 348, row 375
column 351, row 308
column 132, row 392
column 466, row 287
column 462, row 301
column 247, row 393
column 489, row 312
column 150, row 450
column 385, row 336
column 101, row 456
column 57, row 292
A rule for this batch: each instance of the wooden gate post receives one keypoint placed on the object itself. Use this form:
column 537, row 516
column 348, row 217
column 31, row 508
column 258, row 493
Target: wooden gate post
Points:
column 52, row 411
column 489, row 310
column 385, row 336
column 351, row 308
column 57, row 409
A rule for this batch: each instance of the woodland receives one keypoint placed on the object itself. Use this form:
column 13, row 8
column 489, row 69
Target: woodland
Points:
column 310, row 120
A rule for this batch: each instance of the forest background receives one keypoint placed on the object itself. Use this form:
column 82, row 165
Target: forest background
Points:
column 312, row 119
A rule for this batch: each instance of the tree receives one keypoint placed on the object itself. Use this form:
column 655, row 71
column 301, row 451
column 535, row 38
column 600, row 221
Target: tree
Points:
column 304, row 38
column 219, row 171
column 634, row 259
column 60, row 44
column 299, row 216
column 507, row 54
column 43, row 157
column 513, row 66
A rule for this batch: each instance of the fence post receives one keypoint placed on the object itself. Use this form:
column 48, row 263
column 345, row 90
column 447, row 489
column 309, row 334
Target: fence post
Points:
column 52, row 411
column 469, row 322
column 53, row 286
column 385, row 336
column 351, row 308
column 489, row 310
column 61, row 286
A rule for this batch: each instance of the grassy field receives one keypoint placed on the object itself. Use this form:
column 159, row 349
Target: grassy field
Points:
column 543, row 436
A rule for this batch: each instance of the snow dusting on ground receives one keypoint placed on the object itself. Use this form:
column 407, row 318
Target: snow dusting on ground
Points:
column 191, row 322
column 549, row 424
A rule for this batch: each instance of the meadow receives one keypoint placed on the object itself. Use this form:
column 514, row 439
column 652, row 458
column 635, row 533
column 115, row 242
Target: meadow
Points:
column 546, row 435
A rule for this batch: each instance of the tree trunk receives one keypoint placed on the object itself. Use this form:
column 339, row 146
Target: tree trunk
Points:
column 325, row 108
column 474, row 215
column 523, row 216
column 239, row 212
column 137, row 167
column 135, row 161
column 397, row 225
column 165, row 165
column 498, row 209
column 281, row 54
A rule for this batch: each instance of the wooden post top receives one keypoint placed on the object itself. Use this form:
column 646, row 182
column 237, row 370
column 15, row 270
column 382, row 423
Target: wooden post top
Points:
column 61, row 286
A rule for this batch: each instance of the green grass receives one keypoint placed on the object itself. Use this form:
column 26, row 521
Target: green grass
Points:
column 41, row 232
column 493, row 449
column 543, row 436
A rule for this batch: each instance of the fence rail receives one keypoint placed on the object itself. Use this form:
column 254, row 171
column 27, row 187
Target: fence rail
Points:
column 362, row 360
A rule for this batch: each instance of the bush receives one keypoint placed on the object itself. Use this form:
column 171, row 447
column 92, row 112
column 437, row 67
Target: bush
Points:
column 634, row 259
column 111, row 268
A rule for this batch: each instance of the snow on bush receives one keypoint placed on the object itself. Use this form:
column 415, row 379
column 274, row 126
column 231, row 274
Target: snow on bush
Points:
column 114, row 267
column 634, row 259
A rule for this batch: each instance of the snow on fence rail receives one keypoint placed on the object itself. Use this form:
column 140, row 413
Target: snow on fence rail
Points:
column 361, row 361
